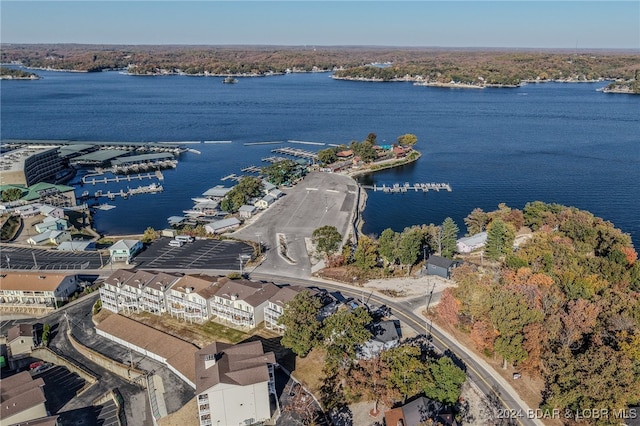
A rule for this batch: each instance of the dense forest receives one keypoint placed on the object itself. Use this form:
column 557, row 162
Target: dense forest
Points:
column 564, row 307
column 480, row 67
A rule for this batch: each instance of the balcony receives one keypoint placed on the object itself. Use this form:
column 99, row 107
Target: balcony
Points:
column 153, row 297
column 128, row 303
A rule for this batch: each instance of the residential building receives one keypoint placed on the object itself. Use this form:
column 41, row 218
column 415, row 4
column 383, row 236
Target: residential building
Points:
column 419, row 412
column 30, row 165
column 275, row 306
column 49, row 237
column 110, row 289
column 124, row 250
column 265, row 202
column 52, row 211
column 385, row 335
column 440, row 266
column 234, row 384
column 153, row 298
column 469, row 244
column 241, row 302
column 22, row 399
column 36, row 289
column 220, row 226
column 188, row 297
column 21, row 340
column 216, row 193
column 246, row 211
column 51, row 223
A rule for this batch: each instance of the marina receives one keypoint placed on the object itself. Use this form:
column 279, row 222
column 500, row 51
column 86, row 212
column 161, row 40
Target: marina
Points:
column 273, row 159
column 251, row 169
column 296, row 152
column 143, row 189
column 93, row 177
column 396, row 187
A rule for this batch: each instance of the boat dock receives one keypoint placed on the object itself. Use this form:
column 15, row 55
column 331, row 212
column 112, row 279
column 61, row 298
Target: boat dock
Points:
column 251, row 169
column 262, row 143
column 93, row 178
column 306, row 143
column 273, row 159
column 231, row 176
column 148, row 189
column 424, row 187
column 296, row 152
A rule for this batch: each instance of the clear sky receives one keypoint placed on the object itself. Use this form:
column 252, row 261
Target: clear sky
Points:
column 536, row 24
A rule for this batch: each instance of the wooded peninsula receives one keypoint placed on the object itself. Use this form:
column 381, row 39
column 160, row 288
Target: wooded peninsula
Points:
column 430, row 66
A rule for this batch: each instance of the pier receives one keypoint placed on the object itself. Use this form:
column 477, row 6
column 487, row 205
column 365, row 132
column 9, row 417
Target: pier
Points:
column 396, row 187
column 251, row 169
column 231, row 176
column 149, row 189
column 273, row 159
column 306, row 143
column 93, row 178
column 296, row 152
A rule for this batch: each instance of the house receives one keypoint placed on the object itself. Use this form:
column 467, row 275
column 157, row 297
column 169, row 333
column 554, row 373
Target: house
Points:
column 36, row 289
column 265, row 202
column 419, row 412
column 400, row 152
column 345, row 154
column 51, row 223
column 220, row 226
column 22, row 400
column 20, row 340
column 440, row 266
column 234, row 384
column 124, row 250
column 188, row 297
column 385, row 335
column 216, row 193
column 28, row 210
column 241, row 302
column 469, row 244
column 275, row 306
column 52, row 211
column 267, row 186
column 276, row 193
column 246, row 211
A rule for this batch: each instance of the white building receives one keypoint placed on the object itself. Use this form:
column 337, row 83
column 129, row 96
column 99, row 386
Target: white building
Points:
column 36, row 289
column 275, row 307
column 153, row 297
column 241, row 302
column 469, row 244
column 234, row 383
column 188, row 297
column 220, row 226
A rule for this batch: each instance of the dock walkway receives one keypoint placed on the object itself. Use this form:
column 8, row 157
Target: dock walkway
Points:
column 395, row 188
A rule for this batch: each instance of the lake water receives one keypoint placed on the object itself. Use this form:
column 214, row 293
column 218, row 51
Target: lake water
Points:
column 561, row 143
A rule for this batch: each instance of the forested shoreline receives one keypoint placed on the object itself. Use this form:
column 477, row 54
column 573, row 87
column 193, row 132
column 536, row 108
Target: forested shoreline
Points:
column 483, row 67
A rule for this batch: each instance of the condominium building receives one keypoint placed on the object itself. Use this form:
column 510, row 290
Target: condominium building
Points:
column 275, row 307
column 153, row 297
column 234, row 383
column 36, row 289
column 241, row 302
column 188, row 298
column 30, row 165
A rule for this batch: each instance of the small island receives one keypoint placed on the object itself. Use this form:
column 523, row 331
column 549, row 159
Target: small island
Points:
column 16, row 74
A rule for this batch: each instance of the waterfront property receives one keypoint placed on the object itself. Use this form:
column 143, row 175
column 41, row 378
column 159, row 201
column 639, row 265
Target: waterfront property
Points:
column 220, row 226
column 30, row 164
column 36, row 289
column 50, row 236
column 440, row 266
column 40, row 194
column 187, row 298
column 242, row 302
column 234, row 384
column 275, row 308
column 469, row 244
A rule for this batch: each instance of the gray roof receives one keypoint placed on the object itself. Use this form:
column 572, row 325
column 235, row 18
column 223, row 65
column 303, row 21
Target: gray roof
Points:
column 77, row 246
column 100, row 156
column 220, row 224
column 142, row 158
column 440, row 261
column 475, row 239
column 247, row 208
column 216, row 191
column 385, row 331
column 124, row 245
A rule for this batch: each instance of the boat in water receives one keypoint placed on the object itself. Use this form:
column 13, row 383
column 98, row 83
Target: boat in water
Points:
column 230, row 80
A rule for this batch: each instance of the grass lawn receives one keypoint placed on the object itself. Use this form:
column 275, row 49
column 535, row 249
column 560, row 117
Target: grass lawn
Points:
column 309, row 370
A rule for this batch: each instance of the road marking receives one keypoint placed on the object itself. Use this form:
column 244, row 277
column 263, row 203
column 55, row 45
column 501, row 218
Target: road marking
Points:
column 331, row 190
column 311, row 189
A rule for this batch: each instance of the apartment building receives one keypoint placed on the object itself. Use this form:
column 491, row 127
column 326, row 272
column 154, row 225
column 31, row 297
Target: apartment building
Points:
column 36, row 289
column 188, row 298
column 234, row 383
column 275, row 307
column 153, row 297
column 241, row 302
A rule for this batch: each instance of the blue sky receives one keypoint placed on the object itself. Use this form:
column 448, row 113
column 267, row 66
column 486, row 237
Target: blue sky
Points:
column 536, row 24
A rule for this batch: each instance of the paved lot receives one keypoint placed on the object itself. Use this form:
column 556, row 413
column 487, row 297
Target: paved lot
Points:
column 320, row 199
column 24, row 258
column 200, row 254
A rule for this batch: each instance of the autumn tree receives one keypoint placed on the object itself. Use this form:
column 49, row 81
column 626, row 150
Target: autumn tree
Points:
column 449, row 307
column 327, row 239
column 387, row 245
column 448, row 237
column 476, row 221
column 408, row 139
column 302, row 327
column 408, row 374
column 149, row 235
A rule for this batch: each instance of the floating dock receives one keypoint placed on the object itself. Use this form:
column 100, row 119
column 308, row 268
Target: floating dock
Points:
column 273, row 159
column 231, row 176
column 307, row 143
column 296, row 152
column 251, row 169
column 263, row 143
column 424, row 187
column 93, row 178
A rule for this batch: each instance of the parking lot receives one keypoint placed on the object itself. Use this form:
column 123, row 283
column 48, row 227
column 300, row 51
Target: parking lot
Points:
column 200, row 254
column 25, row 258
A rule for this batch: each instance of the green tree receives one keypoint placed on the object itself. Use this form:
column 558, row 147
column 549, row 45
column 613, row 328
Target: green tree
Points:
column 387, row 245
column 408, row 374
column 343, row 332
column 409, row 247
column 46, row 332
column 11, row 194
column 327, row 156
column 366, row 254
column 500, row 236
column 448, row 237
column 446, row 385
column 408, row 139
column 327, row 239
column 302, row 327
column 281, row 172
column 247, row 188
